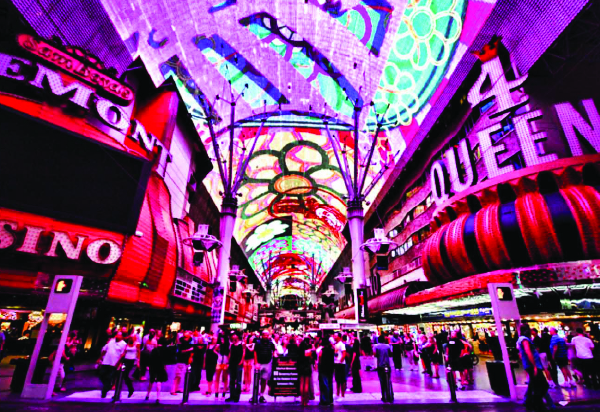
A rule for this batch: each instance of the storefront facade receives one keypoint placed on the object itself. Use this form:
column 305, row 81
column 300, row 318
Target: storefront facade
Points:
column 99, row 180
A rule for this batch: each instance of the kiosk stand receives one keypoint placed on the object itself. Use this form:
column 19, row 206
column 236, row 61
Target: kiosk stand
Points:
column 62, row 301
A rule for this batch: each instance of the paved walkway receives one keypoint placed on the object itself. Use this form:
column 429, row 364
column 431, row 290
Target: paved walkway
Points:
column 410, row 387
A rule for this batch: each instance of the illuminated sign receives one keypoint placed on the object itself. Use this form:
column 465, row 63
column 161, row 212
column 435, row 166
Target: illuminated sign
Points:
column 84, row 67
column 456, row 171
column 462, row 313
column 504, row 293
column 363, row 313
column 108, row 112
column 63, row 286
column 100, row 251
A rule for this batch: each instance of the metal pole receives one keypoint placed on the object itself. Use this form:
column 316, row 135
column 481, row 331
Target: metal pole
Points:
column 356, row 158
column 227, row 224
column 186, row 385
column 356, row 223
column 231, row 133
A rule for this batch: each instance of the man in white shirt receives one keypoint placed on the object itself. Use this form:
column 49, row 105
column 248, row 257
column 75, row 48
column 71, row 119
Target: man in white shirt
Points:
column 340, row 365
column 585, row 357
column 110, row 356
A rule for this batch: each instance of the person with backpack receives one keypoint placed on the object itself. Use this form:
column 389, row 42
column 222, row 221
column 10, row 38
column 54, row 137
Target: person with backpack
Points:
column 537, row 386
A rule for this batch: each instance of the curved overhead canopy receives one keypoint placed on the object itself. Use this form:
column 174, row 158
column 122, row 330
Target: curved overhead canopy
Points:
column 294, row 62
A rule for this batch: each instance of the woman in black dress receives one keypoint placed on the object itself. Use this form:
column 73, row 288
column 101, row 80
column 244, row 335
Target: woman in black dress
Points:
column 326, row 362
column 248, row 362
column 158, row 373
column 197, row 364
column 304, row 369
column 435, row 355
column 210, row 363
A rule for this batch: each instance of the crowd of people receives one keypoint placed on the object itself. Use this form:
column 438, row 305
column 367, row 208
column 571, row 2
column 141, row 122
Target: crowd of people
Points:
column 228, row 360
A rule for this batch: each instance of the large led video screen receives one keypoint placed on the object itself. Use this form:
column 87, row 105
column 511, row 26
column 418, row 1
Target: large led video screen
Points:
column 52, row 172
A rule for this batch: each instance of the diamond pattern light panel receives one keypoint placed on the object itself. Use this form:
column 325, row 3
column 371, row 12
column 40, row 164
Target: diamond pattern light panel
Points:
column 292, row 59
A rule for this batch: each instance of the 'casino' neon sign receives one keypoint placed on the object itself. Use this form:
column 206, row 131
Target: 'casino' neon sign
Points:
column 100, row 251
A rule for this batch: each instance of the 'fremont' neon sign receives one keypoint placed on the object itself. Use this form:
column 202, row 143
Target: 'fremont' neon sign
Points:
column 80, row 68
column 110, row 113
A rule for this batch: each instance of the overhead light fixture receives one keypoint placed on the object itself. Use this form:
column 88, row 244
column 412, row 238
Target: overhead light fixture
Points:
column 345, row 275
column 202, row 242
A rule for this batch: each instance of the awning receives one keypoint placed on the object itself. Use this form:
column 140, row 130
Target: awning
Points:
column 394, row 299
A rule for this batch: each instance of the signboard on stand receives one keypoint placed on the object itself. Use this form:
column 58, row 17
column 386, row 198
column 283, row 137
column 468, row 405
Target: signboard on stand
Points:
column 60, row 308
column 285, row 378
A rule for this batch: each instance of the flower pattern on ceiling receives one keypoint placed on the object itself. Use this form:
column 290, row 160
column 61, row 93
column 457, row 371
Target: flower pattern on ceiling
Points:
column 264, row 233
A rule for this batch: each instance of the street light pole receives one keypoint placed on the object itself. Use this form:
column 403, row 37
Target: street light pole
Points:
column 354, row 181
column 231, row 184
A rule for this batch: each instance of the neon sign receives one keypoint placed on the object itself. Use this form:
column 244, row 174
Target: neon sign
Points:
column 456, row 171
column 108, row 112
column 100, row 251
column 81, row 67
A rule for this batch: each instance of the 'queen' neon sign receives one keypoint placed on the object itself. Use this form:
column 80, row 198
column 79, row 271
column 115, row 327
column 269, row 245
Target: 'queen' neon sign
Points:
column 508, row 97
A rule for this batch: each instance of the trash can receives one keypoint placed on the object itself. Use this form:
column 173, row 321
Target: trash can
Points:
column 497, row 376
column 19, row 375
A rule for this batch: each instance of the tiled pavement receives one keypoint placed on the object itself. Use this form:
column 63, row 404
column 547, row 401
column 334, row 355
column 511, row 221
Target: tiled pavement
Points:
column 410, row 387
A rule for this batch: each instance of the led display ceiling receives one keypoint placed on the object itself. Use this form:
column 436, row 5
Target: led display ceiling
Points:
column 295, row 62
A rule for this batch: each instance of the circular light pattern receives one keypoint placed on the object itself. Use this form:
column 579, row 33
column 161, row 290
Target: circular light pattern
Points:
column 293, row 185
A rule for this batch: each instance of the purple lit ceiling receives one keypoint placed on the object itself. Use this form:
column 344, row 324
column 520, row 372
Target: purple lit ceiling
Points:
column 295, row 61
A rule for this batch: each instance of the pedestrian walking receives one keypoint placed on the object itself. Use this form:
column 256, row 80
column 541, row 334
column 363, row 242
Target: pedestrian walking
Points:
column 198, row 356
column 264, row 351
column 537, row 387
column 156, row 364
column 326, row 358
column 383, row 351
column 184, row 358
column 131, row 360
column 148, row 345
column 236, row 366
column 454, row 349
column 248, row 362
column 585, row 357
column 355, row 366
column 60, row 378
column 304, row 367
column 109, row 358
column 558, row 349
column 340, row 366
column 222, row 373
